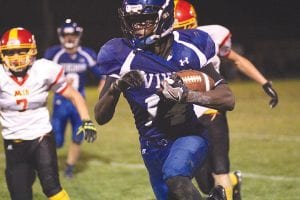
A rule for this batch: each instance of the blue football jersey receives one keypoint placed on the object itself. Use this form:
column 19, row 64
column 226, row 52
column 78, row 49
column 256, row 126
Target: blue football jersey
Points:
column 75, row 65
column 154, row 118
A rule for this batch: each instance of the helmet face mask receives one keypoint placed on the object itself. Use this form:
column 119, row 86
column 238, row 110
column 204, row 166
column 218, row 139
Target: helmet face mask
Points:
column 185, row 15
column 141, row 26
column 69, row 34
column 146, row 21
column 188, row 24
column 17, row 49
column 70, row 41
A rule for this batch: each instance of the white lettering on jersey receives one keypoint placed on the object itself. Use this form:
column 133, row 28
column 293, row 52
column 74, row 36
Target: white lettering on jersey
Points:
column 74, row 67
column 155, row 78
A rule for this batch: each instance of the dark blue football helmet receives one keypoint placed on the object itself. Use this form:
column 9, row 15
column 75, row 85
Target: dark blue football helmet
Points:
column 69, row 27
column 146, row 21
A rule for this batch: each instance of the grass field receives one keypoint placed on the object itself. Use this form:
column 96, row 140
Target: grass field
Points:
column 265, row 146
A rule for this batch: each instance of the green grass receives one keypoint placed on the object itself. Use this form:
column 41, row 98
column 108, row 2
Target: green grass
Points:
column 265, row 146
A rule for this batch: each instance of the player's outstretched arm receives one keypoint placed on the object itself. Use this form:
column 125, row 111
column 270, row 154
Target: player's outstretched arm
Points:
column 87, row 128
column 75, row 97
column 248, row 68
column 272, row 93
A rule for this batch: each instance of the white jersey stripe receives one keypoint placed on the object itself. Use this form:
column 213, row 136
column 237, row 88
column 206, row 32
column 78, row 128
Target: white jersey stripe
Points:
column 57, row 77
column 126, row 65
column 90, row 60
column 58, row 55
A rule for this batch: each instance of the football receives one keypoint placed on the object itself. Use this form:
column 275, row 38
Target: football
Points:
column 196, row 80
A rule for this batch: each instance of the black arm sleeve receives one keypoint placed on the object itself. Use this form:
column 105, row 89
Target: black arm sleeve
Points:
column 210, row 71
column 108, row 99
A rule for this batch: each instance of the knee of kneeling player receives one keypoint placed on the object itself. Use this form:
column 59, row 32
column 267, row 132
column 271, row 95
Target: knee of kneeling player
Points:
column 61, row 195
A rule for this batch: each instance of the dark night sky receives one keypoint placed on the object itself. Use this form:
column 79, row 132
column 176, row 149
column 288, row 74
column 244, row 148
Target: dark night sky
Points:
column 248, row 20
column 251, row 22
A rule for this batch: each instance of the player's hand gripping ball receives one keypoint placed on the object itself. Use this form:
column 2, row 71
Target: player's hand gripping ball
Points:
column 176, row 87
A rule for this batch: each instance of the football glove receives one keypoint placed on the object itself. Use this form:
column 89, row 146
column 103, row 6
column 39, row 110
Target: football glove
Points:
column 130, row 79
column 272, row 93
column 89, row 130
column 174, row 89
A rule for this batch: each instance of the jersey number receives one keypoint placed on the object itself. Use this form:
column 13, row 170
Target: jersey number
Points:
column 23, row 103
column 73, row 79
column 152, row 102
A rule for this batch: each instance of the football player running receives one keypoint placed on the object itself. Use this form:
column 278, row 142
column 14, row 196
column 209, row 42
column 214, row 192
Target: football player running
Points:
column 76, row 61
column 218, row 163
column 140, row 66
column 26, row 129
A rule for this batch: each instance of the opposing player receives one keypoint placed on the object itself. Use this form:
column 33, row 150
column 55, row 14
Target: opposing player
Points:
column 141, row 66
column 185, row 18
column 76, row 61
column 28, row 139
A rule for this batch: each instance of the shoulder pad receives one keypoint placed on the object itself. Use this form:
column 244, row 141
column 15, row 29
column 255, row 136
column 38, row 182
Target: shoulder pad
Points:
column 112, row 55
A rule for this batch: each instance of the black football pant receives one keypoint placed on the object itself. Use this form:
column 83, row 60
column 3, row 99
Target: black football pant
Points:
column 218, row 157
column 26, row 158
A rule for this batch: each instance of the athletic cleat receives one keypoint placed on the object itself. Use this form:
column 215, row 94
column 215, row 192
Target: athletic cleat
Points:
column 68, row 172
column 236, row 192
column 217, row 193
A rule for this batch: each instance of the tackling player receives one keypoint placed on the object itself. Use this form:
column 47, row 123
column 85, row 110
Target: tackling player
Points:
column 185, row 18
column 27, row 132
column 76, row 60
column 172, row 142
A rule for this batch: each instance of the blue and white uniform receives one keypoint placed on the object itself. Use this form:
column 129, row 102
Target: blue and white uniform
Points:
column 171, row 142
column 75, row 67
